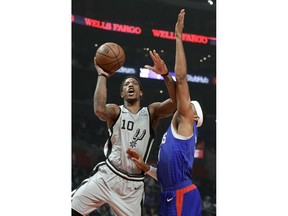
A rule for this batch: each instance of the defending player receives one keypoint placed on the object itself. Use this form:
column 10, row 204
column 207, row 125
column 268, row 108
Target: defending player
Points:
column 179, row 196
column 118, row 181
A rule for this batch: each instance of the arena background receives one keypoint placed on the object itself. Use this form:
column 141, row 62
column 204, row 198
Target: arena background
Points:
column 36, row 105
column 134, row 23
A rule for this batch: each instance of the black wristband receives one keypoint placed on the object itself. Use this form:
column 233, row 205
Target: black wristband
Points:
column 102, row 75
column 165, row 74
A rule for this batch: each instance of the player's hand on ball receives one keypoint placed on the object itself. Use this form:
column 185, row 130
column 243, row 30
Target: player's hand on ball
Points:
column 110, row 57
column 159, row 65
column 100, row 71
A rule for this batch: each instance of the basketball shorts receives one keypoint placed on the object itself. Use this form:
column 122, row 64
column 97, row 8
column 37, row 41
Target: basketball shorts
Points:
column 123, row 196
column 182, row 202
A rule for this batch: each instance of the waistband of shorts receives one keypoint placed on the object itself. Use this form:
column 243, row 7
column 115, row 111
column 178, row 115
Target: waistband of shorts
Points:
column 127, row 176
column 177, row 186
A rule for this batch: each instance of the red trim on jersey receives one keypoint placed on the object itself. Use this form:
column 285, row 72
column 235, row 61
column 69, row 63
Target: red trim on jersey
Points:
column 179, row 197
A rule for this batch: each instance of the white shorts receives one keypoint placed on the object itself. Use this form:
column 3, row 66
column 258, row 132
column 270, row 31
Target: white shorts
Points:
column 123, row 196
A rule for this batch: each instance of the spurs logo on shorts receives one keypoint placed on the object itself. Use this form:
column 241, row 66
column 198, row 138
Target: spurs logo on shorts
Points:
column 136, row 137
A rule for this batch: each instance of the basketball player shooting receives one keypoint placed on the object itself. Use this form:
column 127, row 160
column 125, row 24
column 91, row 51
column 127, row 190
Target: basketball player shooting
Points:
column 117, row 180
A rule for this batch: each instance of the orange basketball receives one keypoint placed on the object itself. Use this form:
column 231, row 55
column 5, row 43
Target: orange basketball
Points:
column 110, row 57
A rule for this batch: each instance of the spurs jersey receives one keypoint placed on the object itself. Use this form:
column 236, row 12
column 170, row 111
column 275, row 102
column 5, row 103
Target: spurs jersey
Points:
column 129, row 130
column 118, row 181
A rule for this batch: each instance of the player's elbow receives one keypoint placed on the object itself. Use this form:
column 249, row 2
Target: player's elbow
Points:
column 181, row 77
column 100, row 113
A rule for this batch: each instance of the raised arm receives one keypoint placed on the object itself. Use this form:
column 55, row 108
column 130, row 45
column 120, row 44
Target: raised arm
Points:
column 105, row 112
column 185, row 115
column 161, row 68
column 168, row 107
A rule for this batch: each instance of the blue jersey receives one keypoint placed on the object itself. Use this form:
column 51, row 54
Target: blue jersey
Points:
column 175, row 159
column 179, row 196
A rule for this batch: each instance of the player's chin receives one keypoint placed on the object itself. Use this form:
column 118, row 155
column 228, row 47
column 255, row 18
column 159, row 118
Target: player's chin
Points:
column 131, row 99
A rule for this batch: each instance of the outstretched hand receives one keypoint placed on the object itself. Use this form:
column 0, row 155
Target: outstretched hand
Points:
column 159, row 65
column 137, row 159
column 180, row 23
column 99, row 70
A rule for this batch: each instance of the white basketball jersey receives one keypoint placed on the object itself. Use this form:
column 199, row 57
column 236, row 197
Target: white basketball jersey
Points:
column 129, row 130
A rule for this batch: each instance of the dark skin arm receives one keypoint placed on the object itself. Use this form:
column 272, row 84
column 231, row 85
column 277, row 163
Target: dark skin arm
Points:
column 184, row 117
column 166, row 108
column 180, row 66
column 105, row 112
column 161, row 68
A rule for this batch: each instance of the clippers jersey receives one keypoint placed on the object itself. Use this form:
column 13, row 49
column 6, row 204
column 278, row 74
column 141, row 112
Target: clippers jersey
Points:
column 129, row 130
column 175, row 159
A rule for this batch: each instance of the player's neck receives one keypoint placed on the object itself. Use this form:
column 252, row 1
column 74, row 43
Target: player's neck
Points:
column 132, row 107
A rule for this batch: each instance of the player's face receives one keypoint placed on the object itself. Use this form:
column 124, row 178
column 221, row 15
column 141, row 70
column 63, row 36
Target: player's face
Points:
column 131, row 90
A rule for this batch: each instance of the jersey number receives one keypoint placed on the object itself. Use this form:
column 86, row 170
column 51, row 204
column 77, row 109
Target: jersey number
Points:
column 164, row 138
column 163, row 141
column 129, row 125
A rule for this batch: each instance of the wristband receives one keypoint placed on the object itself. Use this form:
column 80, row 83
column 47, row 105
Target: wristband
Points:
column 102, row 75
column 163, row 75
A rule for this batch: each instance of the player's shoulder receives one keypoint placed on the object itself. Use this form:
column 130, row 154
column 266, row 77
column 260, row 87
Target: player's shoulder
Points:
column 113, row 110
column 113, row 106
column 153, row 106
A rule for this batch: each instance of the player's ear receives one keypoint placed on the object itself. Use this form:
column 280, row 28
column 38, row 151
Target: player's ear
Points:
column 141, row 93
column 121, row 94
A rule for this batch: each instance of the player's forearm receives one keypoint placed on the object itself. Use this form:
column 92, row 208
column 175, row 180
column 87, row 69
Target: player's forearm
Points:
column 145, row 167
column 100, row 95
column 171, row 87
column 180, row 60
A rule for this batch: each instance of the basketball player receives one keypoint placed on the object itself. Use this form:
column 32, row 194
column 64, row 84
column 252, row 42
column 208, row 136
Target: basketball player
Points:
column 118, row 181
column 179, row 196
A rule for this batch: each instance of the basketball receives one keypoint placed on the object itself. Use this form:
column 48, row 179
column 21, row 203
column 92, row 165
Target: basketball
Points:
column 110, row 57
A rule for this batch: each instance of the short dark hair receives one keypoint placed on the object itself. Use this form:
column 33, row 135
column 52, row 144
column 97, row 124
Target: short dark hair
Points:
column 131, row 76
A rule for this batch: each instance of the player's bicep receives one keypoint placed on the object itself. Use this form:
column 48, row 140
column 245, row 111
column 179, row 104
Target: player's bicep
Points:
column 162, row 109
column 110, row 113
